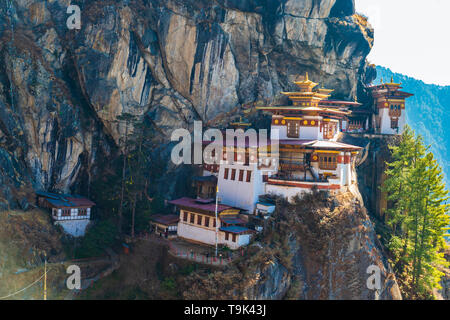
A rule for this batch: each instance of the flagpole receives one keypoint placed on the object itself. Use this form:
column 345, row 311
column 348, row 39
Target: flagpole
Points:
column 45, row 276
column 217, row 221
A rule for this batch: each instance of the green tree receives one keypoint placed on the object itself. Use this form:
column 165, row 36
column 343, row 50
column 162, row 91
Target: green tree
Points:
column 418, row 215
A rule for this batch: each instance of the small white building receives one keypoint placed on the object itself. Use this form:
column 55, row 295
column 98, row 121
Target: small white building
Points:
column 165, row 225
column 198, row 224
column 71, row 212
column 389, row 104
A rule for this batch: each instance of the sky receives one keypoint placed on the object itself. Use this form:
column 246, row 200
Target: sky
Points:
column 412, row 37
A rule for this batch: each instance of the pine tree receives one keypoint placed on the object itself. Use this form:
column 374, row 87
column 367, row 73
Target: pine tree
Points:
column 432, row 220
column 418, row 217
column 396, row 186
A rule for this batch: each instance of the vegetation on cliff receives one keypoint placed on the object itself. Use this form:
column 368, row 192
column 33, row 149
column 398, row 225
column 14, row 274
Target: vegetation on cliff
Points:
column 318, row 247
column 25, row 239
column 417, row 216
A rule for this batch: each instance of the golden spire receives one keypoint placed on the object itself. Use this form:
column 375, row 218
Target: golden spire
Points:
column 392, row 79
column 306, row 76
column 381, row 80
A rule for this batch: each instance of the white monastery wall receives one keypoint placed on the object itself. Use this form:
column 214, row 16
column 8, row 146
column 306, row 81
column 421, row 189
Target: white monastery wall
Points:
column 75, row 228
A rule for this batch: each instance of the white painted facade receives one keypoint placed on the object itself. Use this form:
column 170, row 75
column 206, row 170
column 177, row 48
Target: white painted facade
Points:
column 73, row 224
column 207, row 234
column 305, row 132
column 385, row 122
column 196, row 233
column 278, row 132
column 240, row 194
column 264, row 208
column 241, row 240
column 57, row 214
column 76, row 228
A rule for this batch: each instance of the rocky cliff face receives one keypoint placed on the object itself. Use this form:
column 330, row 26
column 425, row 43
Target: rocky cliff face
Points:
column 319, row 248
column 62, row 91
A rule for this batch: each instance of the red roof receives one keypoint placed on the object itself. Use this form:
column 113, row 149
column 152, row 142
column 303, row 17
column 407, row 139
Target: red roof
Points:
column 194, row 204
column 166, row 219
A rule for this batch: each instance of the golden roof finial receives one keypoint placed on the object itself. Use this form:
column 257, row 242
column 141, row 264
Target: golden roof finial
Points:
column 392, row 79
column 306, row 76
column 382, row 80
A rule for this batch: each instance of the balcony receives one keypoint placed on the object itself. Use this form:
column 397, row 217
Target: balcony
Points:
column 293, row 165
column 281, row 176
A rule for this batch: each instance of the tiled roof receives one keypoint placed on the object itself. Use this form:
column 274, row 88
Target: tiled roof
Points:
column 267, row 204
column 233, row 221
column 166, row 219
column 65, row 200
column 320, row 144
column 194, row 204
column 236, row 229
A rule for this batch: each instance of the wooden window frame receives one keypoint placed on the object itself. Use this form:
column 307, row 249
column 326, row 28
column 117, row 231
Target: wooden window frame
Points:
column 330, row 162
column 241, row 175
column 199, row 219
column 394, row 123
column 225, row 173
column 192, row 218
column 185, row 216
column 207, row 222
column 249, row 176
column 233, row 174
column 234, row 237
column 293, row 133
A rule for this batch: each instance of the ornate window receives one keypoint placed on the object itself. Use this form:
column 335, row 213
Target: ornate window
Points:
column 394, row 123
column 329, row 130
column 293, row 129
column 328, row 162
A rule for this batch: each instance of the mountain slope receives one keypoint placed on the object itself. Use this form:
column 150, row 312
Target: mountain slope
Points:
column 427, row 113
column 63, row 92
